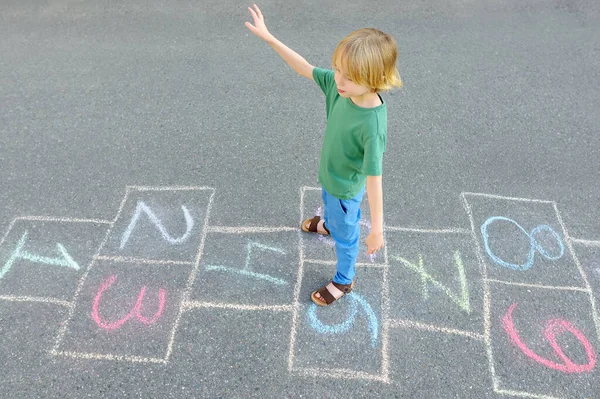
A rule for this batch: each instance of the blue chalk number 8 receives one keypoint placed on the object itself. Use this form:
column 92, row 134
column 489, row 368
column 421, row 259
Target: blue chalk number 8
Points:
column 533, row 247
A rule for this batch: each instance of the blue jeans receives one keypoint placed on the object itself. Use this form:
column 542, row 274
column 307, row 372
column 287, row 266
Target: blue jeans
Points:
column 341, row 218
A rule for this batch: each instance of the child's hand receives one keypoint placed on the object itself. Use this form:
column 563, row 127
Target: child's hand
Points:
column 374, row 242
column 259, row 28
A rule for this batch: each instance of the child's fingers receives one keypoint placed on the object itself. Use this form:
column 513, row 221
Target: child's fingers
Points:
column 373, row 250
column 258, row 11
column 254, row 16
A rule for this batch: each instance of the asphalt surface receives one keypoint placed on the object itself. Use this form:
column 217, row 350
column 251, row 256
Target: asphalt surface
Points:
column 156, row 159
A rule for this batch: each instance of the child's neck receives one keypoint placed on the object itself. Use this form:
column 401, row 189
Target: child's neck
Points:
column 367, row 100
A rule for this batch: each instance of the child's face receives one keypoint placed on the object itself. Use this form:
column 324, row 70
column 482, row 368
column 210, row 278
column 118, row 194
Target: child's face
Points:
column 346, row 87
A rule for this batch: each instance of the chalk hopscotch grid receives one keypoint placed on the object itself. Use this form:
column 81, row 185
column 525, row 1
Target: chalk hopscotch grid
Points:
column 486, row 296
column 63, row 330
column 185, row 304
column 190, row 305
column 191, row 278
column 50, row 300
column 496, row 382
column 294, row 307
column 407, row 323
column 334, row 372
column 387, row 323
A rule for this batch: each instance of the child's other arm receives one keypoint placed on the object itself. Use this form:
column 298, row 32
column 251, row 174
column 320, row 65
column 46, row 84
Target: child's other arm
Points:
column 295, row 60
column 374, row 190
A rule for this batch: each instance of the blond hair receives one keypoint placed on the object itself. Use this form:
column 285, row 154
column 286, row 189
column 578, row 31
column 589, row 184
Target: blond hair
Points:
column 368, row 57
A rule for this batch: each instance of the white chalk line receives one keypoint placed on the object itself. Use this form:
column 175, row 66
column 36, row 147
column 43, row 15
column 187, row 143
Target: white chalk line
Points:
column 338, row 373
column 587, row 243
column 333, row 263
column 125, row 259
column 308, row 188
column 21, row 298
column 189, row 305
column 385, row 311
column 192, row 277
column 172, row 188
column 506, row 198
column 400, row 323
column 99, row 356
column 523, row 394
column 296, row 300
column 249, row 229
column 546, row 287
column 487, row 324
column 429, row 231
column 61, row 219
column 121, row 206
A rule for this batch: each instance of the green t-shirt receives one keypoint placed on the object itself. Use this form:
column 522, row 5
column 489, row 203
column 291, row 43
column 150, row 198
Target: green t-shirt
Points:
column 354, row 140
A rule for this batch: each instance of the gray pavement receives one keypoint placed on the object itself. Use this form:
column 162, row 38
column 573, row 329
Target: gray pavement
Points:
column 156, row 159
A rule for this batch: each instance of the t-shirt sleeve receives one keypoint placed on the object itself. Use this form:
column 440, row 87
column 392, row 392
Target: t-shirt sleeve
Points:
column 373, row 155
column 324, row 78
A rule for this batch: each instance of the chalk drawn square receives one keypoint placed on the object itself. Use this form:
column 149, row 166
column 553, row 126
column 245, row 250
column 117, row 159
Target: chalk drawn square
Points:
column 436, row 365
column 248, row 268
column 46, row 258
column 230, row 344
column 126, row 310
column 522, row 241
column 159, row 225
column 319, row 247
column 528, row 315
column 434, row 279
column 349, row 332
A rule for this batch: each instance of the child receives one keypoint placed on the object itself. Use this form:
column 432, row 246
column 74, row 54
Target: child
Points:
column 354, row 142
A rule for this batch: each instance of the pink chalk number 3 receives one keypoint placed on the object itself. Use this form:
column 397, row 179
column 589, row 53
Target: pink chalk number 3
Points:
column 553, row 328
column 135, row 311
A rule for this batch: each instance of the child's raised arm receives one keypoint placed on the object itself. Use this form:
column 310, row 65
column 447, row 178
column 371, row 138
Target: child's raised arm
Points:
column 298, row 64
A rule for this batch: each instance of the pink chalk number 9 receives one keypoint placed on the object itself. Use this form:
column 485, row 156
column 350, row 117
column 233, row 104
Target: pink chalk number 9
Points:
column 553, row 328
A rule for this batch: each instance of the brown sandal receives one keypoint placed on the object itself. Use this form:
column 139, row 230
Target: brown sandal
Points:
column 310, row 225
column 327, row 298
